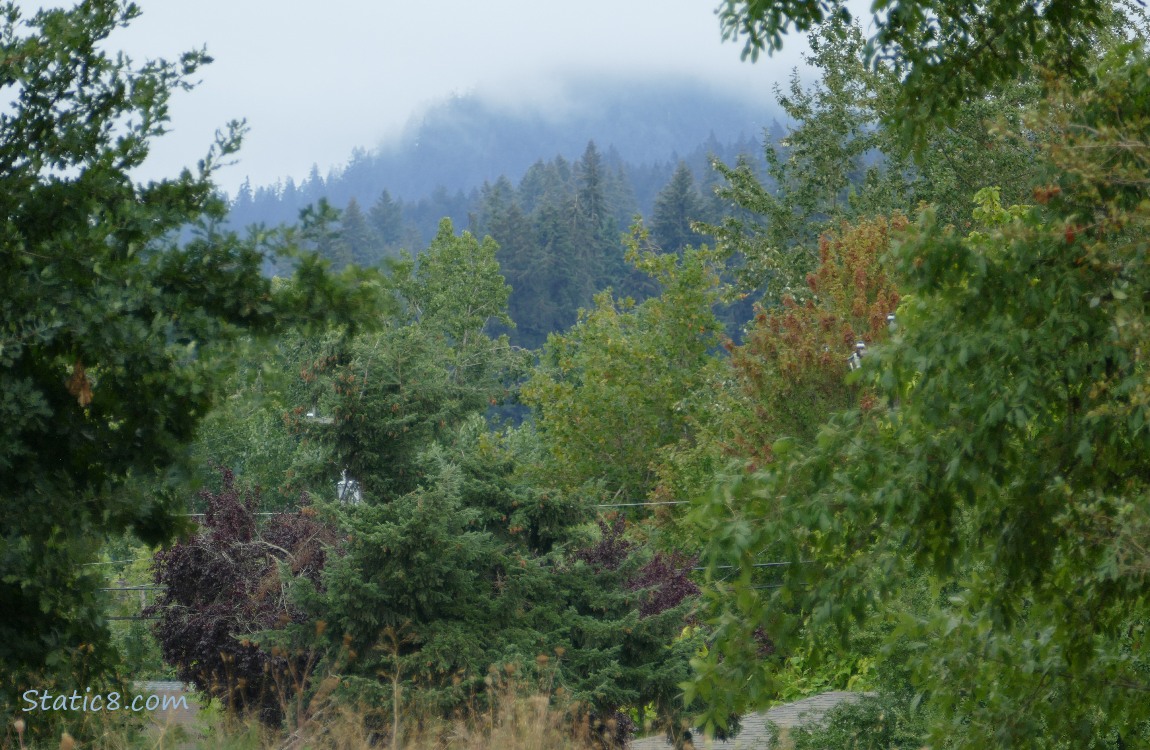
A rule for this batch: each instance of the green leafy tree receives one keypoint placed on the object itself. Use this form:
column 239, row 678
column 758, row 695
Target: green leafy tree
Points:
column 1010, row 469
column 843, row 160
column 265, row 429
column 109, row 333
column 943, row 51
column 394, row 391
column 624, row 382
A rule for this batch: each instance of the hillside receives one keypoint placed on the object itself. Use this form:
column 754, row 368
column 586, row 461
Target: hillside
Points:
column 642, row 126
column 557, row 188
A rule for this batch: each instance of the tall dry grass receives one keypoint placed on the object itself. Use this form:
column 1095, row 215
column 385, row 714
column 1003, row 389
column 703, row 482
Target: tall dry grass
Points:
column 514, row 715
column 515, row 722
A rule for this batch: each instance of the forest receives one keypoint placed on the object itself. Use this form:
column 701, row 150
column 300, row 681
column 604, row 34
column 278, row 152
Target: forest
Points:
column 564, row 467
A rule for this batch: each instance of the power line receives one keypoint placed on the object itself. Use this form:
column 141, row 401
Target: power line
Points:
column 135, row 588
column 269, row 513
column 598, row 505
column 754, row 565
column 114, row 562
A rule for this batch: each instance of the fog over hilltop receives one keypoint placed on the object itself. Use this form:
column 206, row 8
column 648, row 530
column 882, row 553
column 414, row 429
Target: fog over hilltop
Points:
column 461, row 142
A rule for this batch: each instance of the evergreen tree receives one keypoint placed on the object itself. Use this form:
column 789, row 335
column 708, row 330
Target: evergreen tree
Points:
column 386, row 217
column 291, row 199
column 312, row 189
column 676, row 207
column 621, row 196
column 320, row 228
column 590, row 194
column 560, row 273
column 533, row 186
column 244, row 197
column 362, row 246
column 523, row 262
column 595, row 235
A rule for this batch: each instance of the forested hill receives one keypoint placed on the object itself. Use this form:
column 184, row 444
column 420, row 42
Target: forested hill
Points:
column 555, row 187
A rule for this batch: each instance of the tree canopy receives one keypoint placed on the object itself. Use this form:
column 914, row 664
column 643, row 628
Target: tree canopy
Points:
column 944, row 51
column 1001, row 455
column 111, row 331
column 915, row 463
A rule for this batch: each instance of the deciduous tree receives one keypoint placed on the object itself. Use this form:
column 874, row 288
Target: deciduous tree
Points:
column 1005, row 458
column 623, row 383
column 944, row 51
column 108, row 331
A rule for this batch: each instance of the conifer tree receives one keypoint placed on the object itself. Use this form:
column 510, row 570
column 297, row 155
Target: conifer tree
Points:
column 356, row 235
column 598, row 258
column 677, row 205
column 386, row 218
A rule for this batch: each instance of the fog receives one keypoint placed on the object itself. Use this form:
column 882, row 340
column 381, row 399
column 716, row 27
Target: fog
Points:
column 315, row 80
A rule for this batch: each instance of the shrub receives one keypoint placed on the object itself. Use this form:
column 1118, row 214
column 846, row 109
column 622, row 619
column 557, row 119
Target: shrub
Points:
column 225, row 586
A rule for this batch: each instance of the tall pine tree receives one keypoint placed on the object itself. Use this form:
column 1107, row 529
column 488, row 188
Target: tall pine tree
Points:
column 677, row 205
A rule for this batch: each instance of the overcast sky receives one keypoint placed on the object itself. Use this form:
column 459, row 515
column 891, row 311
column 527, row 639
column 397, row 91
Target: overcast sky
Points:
column 316, row 79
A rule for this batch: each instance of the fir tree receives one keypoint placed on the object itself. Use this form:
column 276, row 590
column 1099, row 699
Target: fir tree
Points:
column 677, row 205
column 362, row 246
column 386, row 217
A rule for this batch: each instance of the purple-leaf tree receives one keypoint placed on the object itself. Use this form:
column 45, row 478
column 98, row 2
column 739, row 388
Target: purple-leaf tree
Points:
column 226, row 585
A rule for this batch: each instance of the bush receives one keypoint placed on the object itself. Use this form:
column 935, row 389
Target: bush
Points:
column 224, row 587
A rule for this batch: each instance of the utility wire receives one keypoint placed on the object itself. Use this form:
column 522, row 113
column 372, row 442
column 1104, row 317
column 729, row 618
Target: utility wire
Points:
column 269, row 513
column 755, row 565
column 114, row 562
column 135, row 588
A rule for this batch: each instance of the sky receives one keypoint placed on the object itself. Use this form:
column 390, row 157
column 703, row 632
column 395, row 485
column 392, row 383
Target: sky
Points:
column 314, row 80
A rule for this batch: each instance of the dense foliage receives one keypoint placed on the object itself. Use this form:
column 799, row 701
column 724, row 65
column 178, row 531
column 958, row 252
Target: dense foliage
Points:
column 558, row 230
column 944, row 51
column 110, row 334
column 625, row 382
column 1002, row 458
column 223, row 587
column 466, row 553
column 902, row 384
column 844, row 160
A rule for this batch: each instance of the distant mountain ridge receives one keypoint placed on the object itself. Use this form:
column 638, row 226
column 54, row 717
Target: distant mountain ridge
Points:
column 556, row 189
column 642, row 125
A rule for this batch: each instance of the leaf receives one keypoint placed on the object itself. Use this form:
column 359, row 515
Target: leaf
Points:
column 79, row 385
